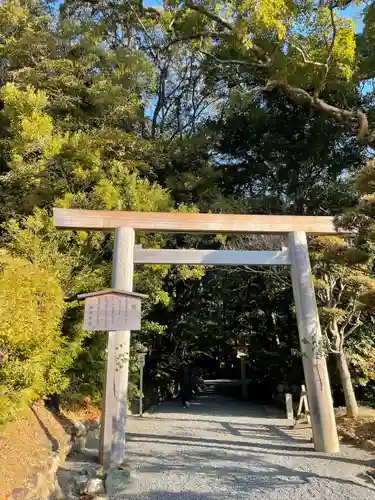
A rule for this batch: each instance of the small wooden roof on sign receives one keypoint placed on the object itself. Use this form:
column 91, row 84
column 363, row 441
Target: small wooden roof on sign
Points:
column 114, row 291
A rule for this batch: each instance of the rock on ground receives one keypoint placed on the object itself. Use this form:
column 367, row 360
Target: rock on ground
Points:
column 221, row 449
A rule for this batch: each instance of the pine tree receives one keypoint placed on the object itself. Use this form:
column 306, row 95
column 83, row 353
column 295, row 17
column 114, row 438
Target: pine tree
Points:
column 346, row 293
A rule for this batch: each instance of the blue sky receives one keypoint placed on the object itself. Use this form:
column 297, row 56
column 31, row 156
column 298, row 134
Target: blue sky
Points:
column 153, row 3
column 355, row 13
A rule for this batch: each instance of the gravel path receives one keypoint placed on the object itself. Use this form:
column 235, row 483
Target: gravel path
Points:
column 221, row 449
column 218, row 448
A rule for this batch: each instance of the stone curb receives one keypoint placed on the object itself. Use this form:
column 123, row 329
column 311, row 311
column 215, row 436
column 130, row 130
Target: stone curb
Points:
column 43, row 482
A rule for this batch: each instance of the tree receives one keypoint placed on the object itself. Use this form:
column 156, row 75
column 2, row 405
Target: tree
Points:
column 360, row 220
column 278, row 159
column 71, row 136
column 314, row 66
column 262, row 155
column 346, row 296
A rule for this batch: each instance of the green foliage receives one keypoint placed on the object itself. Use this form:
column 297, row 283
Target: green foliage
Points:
column 34, row 355
column 85, row 170
column 365, row 180
column 335, row 250
column 265, row 16
column 24, row 37
column 346, row 299
column 361, row 355
column 123, row 106
column 320, row 40
column 70, row 114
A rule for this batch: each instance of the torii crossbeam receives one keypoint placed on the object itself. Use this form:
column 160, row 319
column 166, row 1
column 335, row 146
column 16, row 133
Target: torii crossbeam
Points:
column 126, row 223
column 172, row 222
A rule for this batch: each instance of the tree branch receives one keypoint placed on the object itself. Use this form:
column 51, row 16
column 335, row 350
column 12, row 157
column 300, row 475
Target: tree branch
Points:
column 365, row 76
column 235, row 61
column 334, row 330
column 355, row 118
column 357, row 323
column 334, row 33
column 139, row 19
column 351, row 315
column 340, row 292
column 228, row 26
column 160, row 101
column 210, row 15
column 195, row 36
column 305, row 59
column 331, row 286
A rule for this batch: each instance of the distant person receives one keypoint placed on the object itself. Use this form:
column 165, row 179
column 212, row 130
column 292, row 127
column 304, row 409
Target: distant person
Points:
column 185, row 385
column 201, row 384
column 198, row 382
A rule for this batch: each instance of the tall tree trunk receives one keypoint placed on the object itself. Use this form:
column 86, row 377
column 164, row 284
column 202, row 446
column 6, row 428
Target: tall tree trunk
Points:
column 347, row 385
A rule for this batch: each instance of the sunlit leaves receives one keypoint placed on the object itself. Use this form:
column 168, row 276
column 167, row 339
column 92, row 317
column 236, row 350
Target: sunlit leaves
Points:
column 344, row 287
column 266, row 16
column 362, row 218
column 24, row 37
column 308, row 43
column 344, row 47
column 365, row 180
column 32, row 347
column 324, row 46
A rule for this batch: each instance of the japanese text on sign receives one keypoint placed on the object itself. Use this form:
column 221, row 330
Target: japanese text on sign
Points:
column 112, row 312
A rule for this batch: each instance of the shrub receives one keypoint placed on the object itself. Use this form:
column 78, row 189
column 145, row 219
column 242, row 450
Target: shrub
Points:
column 33, row 353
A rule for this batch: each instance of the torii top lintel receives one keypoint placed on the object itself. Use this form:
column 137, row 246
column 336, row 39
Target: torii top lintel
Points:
column 155, row 222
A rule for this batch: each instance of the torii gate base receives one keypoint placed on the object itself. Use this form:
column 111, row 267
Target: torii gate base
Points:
column 315, row 368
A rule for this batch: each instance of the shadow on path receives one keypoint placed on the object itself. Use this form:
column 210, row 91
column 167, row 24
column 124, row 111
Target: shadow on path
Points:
column 54, row 442
column 240, row 446
column 187, row 495
column 178, row 454
column 258, row 457
column 248, row 473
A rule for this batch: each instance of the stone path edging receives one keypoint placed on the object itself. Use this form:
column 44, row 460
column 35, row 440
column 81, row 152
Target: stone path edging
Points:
column 44, row 483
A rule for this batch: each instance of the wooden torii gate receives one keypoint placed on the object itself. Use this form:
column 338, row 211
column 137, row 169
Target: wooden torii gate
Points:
column 126, row 255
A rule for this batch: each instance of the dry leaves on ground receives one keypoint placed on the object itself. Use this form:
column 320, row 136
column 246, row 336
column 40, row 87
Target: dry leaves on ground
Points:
column 360, row 429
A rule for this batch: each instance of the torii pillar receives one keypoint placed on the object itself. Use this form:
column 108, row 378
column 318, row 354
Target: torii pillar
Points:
column 314, row 363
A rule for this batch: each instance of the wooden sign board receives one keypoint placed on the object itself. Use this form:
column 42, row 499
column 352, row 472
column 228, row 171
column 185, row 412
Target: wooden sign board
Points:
column 112, row 312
